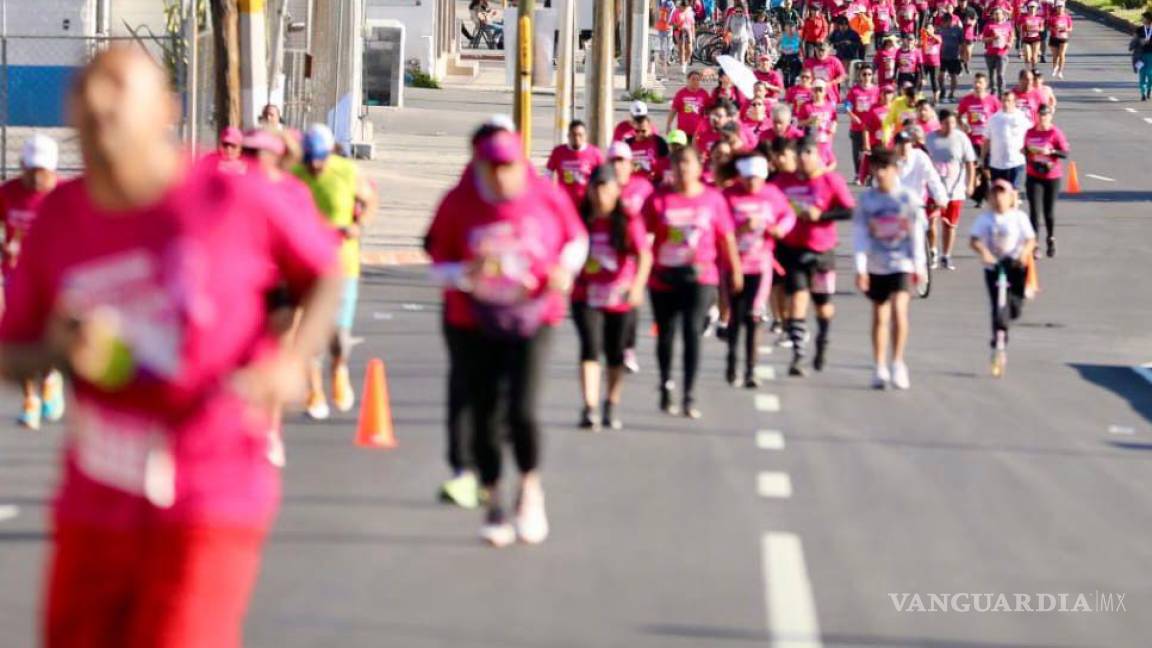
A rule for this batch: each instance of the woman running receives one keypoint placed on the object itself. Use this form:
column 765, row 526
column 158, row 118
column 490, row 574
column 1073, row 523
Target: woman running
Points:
column 930, row 43
column 1059, row 29
column 609, row 288
column 1031, row 26
column 692, row 228
column 761, row 215
column 1004, row 240
column 1044, row 146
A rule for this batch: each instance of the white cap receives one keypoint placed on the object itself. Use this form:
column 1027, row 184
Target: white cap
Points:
column 638, row 109
column 752, row 167
column 619, row 151
column 40, row 152
column 820, row 83
column 503, row 122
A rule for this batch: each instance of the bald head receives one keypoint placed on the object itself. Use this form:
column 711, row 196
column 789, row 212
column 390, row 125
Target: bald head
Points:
column 121, row 101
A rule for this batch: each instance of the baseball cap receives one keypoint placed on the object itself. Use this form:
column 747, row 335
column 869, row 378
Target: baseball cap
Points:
column 501, row 122
column 619, row 151
column 1002, row 185
column 319, row 142
column 902, row 138
column 820, row 83
column 40, row 152
column 260, row 139
column 232, row 135
column 678, row 137
column 638, row 109
column 753, row 166
column 501, row 147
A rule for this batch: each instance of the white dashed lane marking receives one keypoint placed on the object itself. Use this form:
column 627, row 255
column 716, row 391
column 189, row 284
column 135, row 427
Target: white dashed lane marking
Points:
column 774, row 485
column 769, row 440
column 1148, row 120
column 1097, row 90
column 1132, row 110
column 764, row 372
column 1113, row 99
column 1100, row 177
column 7, row 512
column 1120, row 430
column 790, row 608
column 767, row 403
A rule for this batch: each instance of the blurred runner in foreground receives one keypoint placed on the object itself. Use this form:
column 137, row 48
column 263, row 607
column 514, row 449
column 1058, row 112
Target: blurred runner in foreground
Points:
column 20, row 201
column 154, row 302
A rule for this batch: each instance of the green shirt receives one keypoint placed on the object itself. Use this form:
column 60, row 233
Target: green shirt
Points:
column 334, row 191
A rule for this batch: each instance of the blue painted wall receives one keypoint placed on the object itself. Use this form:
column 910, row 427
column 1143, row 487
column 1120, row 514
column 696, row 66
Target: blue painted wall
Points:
column 37, row 94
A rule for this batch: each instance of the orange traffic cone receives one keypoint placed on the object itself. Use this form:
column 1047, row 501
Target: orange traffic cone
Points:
column 655, row 330
column 1073, row 179
column 375, row 429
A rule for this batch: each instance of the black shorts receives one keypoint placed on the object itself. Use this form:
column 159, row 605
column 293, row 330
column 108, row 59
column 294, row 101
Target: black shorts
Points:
column 801, row 265
column 881, row 287
column 952, row 66
column 907, row 77
column 1057, row 42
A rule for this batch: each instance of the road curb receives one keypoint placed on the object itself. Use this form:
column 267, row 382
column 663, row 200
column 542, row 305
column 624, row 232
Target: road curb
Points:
column 386, row 258
column 1103, row 17
column 1144, row 371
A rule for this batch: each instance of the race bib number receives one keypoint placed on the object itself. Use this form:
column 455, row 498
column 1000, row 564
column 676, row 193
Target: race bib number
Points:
column 607, row 295
column 679, row 248
column 889, row 229
column 124, row 452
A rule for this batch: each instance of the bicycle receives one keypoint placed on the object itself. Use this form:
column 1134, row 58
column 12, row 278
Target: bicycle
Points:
column 924, row 288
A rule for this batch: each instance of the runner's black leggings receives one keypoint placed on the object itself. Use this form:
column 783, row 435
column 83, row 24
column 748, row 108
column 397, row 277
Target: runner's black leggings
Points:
column 933, row 74
column 857, row 138
column 1042, row 194
column 997, row 66
column 504, row 376
column 742, row 316
column 601, row 333
column 687, row 305
column 459, row 441
column 1002, row 317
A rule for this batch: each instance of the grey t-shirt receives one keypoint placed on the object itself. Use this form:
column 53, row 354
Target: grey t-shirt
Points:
column 949, row 155
column 951, row 37
column 888, row 232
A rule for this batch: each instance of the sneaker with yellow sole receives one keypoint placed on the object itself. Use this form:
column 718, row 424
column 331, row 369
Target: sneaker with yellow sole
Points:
column 343, row 397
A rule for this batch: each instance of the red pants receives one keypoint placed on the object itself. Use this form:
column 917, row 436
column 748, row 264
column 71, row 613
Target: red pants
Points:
column 156, row 587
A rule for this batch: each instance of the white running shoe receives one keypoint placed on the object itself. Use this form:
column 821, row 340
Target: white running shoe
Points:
column 934, row 258
column 317, row 408
column 900, row 378
column 531, row 519
column 497, row 532
column 881, row 378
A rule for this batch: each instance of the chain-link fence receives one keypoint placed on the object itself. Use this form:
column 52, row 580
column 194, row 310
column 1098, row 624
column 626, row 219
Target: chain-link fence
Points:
column 36, row 74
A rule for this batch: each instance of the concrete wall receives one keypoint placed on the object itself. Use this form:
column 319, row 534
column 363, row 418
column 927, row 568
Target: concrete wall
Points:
column 135, row 13
column 419, row 20
column 41, row 69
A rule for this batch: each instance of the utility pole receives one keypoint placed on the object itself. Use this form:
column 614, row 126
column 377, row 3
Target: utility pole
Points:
column 525, row 42
column 226, row 31
column 565, row 70
column 638, row 37
column 192, row 76
column 603, row 69
column 253, row 61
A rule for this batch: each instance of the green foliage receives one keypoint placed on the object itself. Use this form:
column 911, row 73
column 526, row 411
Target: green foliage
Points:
column 647, row 95
column 418, row 79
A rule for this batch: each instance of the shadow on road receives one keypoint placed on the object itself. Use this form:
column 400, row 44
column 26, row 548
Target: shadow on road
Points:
column 1108, row 196
column 1123, row 382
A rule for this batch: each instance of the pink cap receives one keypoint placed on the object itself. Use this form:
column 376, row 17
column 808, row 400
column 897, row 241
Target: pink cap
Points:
column 619, row 151
column 232, row 135
column 502, row 147
column 263, row 140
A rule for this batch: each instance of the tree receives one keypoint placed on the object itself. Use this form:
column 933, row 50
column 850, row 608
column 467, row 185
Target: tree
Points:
column 226, row 33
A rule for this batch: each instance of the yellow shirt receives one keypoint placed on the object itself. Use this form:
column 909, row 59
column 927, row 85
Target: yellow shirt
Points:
column 334, row 191
column 900, row 109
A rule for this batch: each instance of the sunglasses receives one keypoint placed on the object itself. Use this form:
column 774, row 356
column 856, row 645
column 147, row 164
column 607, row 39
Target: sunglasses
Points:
column 757, row 104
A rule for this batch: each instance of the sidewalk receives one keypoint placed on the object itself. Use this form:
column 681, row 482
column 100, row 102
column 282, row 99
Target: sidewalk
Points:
column 422, row 148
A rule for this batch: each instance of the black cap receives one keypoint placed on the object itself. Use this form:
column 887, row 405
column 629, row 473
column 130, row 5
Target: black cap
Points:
column 1044, row 109
column 902, row 138
column 603, row 174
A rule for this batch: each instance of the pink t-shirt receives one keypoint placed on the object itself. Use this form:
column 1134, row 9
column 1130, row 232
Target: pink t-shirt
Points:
column 1035, row 141
column 1029, row 102
column 821, row 117
column 770, row 135
column 649, row 156
column 826, row 191
column 635, row 193
column 625, row 129
column 1060, row 25
column 885, row 64
column 908, row 61
column 18, row 208
column 687, row 232
column 754, row 217
column 690, row 107
column 607, row 277
column 997, row 38
column 188, row 277
column 1031, row 28
column 572, row 168
column 861, row 100
column 930, row 51
column 976, row 112
column 829, row 69
column 798, row 95
column 772, row 78
column 519, row 240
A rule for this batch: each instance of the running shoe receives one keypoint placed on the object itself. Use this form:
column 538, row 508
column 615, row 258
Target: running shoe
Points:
column 900, row 379
column 631, row 364
column 588, row 420
column 795, row 370
column 666, row 404
column 999, row 363
column 497, row 531
column 1051, row 247
column 609, row 418
column 317, row 407
column 751, row 381
column 881, row 377
column 783, row 341
column 275, row 453
column 947, row 263
column 463, row 490
column 821, row 357
column 730, row 373
column 531, row 519
column 30, row 415
column 691, row 411
column 722, row 331
column 342, row 395
column 711, row 321
column 53, row 396
column 934, row 258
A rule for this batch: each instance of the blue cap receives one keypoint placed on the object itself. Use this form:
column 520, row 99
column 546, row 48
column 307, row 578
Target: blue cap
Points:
column 319, row 142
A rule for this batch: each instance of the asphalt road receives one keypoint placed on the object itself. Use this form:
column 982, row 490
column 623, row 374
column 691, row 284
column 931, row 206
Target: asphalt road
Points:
column 787, row 516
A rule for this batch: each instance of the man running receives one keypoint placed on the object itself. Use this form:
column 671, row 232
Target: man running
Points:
column 348, row 201
column 571, row 163
column 154, row 303
column 20, row 201
column 1004, row 147
column 888, row 233
column 955, row 159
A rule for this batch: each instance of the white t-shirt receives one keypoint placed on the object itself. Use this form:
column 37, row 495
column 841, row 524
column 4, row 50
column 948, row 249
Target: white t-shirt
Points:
column 950, row 154
column 1003, row 234
column 1006, row 139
